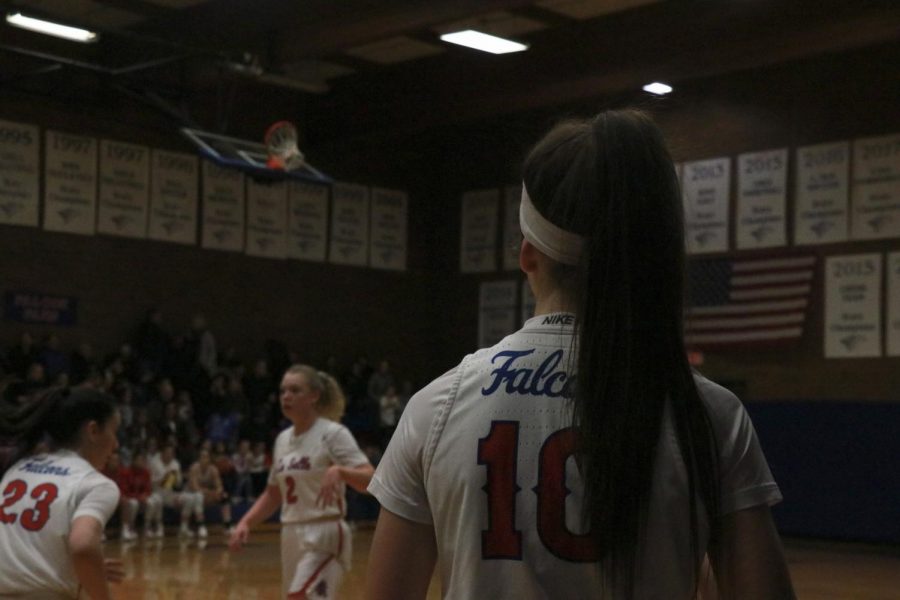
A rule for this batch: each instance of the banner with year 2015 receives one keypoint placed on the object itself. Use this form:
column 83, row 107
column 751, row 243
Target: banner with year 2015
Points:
column 307, row 221
column 173, row 197
column 19, row 173
column 761, row 200
column 478, row 232
column 706, row 186
column 124, row 189
column 496, row 311
column 853, row 306
column 875, row 195
column 388, row 232
column 893, row 310
column 820, row 211
column 223, row 208
column 70, row 183
column 266, row 219
column 349, row 225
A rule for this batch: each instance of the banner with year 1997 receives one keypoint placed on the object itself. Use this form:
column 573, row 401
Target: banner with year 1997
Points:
column 761, row 200
column 266, row 219
column 307, row 221
column 173, row 197
column 124, row 189
column 70, row 183
column 349, row 225
column 19, row 173
column 853, row 306
column 223, row 208
column 706, row 186
column 388, row 232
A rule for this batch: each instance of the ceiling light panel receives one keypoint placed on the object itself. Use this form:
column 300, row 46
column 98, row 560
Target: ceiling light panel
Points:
column 484, row 42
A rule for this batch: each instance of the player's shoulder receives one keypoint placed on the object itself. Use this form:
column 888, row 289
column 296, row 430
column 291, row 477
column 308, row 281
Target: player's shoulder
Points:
column 329, row 428
column 722, row 405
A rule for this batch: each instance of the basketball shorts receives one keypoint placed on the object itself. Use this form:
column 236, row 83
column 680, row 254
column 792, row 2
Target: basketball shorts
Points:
column 314, row 558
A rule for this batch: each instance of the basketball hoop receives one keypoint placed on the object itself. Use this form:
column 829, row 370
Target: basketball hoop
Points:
column 281, row 144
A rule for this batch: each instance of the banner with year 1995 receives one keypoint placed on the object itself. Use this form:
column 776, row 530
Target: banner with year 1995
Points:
column 19, row 173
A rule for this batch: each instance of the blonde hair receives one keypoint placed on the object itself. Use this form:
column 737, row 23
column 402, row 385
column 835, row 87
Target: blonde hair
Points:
column 331, row 402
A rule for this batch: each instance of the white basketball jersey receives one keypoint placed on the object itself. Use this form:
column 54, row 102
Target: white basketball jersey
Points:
column 485, row 454
column 299, row 462
column 41, row 497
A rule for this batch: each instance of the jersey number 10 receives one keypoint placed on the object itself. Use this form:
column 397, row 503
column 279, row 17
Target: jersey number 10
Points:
column 499, row 453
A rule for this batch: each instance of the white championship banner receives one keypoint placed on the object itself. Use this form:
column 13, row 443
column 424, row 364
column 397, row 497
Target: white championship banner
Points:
column 496, row 311
column 70, row 183
column 706, row 186
column 853, row 306
column 174, row 182
column 478, row 231
column 266, row 219
column 223, row 208
column 528, row 302
column 388, row 227
column 762, row 199
column 875, row 193
column 349, row 240
column 124, row 197
column 512, row 233
column 307, row 221
column 893, row 304
column 19, row 173
column 820, row 206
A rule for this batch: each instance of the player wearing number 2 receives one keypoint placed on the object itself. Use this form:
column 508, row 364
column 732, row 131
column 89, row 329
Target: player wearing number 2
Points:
column 311, row 463
column 580, row 457
column 54, row 505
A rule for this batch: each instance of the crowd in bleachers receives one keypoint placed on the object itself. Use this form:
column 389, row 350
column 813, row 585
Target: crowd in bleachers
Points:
column 197, row 424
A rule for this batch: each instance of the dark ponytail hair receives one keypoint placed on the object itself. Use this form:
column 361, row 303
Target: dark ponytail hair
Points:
column 612, row 181
column 57, row 414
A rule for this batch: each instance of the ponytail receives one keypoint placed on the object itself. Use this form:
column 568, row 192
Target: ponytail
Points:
column 612, row 181
column 331, row 402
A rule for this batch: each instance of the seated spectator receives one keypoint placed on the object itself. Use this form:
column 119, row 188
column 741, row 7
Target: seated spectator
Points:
column 137, row 496
column 115, row 471
column 243, row 482
column 167, row 480
column 227, row 474
column 223, row 425
column 259, row 468
column 390, row 408
column 204, row 479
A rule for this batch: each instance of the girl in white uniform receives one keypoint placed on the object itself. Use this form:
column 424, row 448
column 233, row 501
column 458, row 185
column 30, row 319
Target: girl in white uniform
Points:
column 54, row 506
column 580, row 457
column 311, row 463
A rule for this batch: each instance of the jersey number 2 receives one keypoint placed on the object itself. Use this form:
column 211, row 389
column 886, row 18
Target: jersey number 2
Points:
column 499, row 453
column 33, row 519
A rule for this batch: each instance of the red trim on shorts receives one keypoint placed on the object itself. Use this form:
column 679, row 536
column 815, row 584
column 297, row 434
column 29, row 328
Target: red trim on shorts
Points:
column 302, row 592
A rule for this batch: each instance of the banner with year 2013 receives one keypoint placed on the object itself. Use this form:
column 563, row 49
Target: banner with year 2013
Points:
column 223, row 208
column 70, row 183
column 307, row 221
column 173, row 197
column 875, row 195
column 706, row 186
column 820, row 210
column 19, row 173
column 478, row 232
column 349, row 225
column 388, row 232
column 496, row 311
column 266, row 219
column 853, row 306
column 124, row 189
column 761, row 200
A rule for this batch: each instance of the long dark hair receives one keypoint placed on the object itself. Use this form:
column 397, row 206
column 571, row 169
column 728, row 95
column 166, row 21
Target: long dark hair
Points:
column 611, row 180
column 56, row 414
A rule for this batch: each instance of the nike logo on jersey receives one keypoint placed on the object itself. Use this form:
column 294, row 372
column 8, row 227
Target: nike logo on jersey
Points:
column 44, row 469
column 558, row 320
column 546, row 380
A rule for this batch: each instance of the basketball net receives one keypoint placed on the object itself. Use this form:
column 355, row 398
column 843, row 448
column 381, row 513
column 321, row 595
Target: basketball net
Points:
column 281, row 144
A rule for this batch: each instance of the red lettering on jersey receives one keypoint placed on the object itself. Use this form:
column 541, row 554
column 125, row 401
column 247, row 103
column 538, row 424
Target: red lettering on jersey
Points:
column 13, row 492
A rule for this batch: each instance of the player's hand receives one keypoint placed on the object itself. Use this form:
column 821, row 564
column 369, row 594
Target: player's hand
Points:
column 331, row 483
column 238, row 536
column 114, row 569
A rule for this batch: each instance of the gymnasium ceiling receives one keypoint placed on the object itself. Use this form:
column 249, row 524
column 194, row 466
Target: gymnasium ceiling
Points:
column 376, row 65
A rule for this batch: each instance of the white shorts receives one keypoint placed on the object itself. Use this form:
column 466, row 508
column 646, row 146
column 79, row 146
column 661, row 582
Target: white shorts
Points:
column 314, row 558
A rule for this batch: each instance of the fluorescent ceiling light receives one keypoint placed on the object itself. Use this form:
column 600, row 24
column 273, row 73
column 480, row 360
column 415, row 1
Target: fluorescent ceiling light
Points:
column 482, row 41
column 49, row 28
column 660, row 89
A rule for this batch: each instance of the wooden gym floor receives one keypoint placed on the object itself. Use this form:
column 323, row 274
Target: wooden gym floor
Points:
column 172, row 568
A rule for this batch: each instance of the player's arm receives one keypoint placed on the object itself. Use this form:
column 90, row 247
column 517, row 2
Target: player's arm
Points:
column 357, row 477
column 87, row 556
column 264, row 507
column 401, row 560
column 750, row 563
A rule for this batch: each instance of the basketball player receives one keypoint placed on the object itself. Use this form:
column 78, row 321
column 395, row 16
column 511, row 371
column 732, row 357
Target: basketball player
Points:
column 55, row 505
column 311, row 463
column 580, row 457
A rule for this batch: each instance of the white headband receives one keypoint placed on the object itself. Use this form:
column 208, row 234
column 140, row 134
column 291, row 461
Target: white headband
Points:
column 560, row 245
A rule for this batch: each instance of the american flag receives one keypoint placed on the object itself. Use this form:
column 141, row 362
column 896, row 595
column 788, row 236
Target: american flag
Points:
column 738, row 302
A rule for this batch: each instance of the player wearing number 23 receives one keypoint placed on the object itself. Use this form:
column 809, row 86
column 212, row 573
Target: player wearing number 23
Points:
column 55, row 504
column 580, row 457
